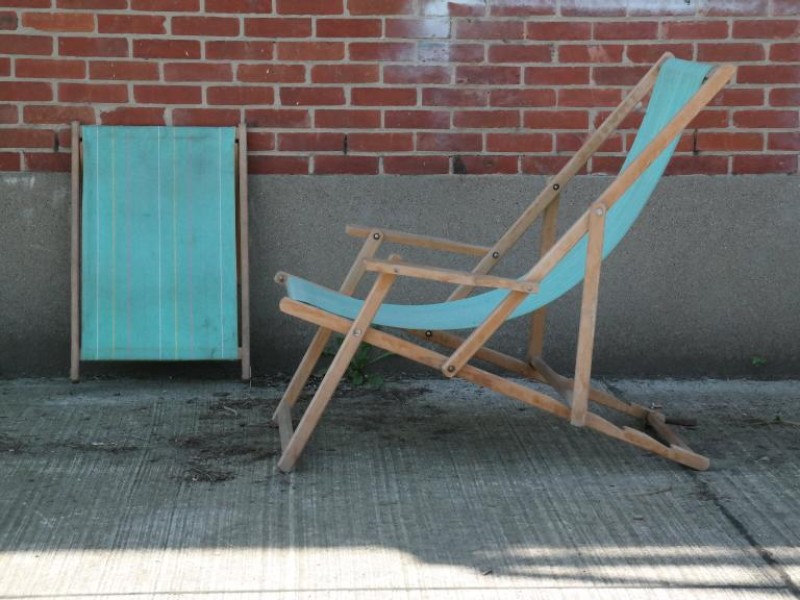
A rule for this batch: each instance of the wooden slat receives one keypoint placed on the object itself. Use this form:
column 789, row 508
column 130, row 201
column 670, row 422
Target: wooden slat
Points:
column 449, row 275
column 419, row 241
column 546, row 241
column 586, row 331
column 75, row 256
column 244, row 254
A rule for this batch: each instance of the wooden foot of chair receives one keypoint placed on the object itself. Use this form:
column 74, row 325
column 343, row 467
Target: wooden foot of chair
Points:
column 303, row 372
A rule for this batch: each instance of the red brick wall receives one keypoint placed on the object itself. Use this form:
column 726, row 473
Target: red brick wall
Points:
column 396, row 86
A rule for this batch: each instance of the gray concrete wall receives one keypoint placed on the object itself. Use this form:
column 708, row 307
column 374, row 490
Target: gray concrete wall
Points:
column 706, row 280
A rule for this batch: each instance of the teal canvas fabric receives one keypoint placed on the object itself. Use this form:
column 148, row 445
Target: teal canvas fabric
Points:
column 677, row 82
column 158, row 235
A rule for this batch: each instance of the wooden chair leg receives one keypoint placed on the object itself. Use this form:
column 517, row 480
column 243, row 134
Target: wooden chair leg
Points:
column 337, row 368
column 548, row 238
column 586, row 331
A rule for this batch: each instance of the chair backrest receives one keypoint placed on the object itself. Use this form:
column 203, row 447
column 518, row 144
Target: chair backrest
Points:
column 158, row 244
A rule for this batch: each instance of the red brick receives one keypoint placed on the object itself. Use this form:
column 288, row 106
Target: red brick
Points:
column 490, row 30
column 260, row 141
column 544, row 165
column 92, row 46
column 606, row 165
column 280, row 118
column 632, row 121
column 210, row 26
column 417, row 119
column 385, row 51
column 303, row 51
column 485, row 165
column 25, row 44
column 349, row 28
column 8, row 20
column 557, row 75
column 26, row 91
column 417, row 28
column 618, row 75
column 589, row 97
column 729, row 52
column 767, row 29
column 384, row 96
column 58, row 114
column 130, row 24
column 522, row 97
column 345, row 73
column 764, row 163
column 486, row 119
column 449, row 53
column 768, row 74
column 380, row 142
column 277, row 165
column 5, row 66
column 626, row 30
column 481, row 75
column 454, row 97
column 380, row 7
column 513, row 53
column 449, row 142
column 45, row 68
column 559, row 31
column 230, row 50
column 416, row 165
column 571, row 142
column 771, row 119
column 194, row 71
column 271, row 73
column 345, row 165
column 309, row 7
column 70, row 22
column 755, row 8
column 738, row 97
column 240, row 95
column 694, row 30
column 522, row 8
column 169, row 5
column 347, row 119
column 311, row 96
column 311, row 142
column 650, row 53
column 782, row 8
column 595, row 53
column 519, row 142
column 238, row 6
column 561, row 119
column 100, row 93
column 785, row 52
column 278, row 28
column 123, row 70
column 594, row 8
column 206, row 117
column 168, row 94
column 784, row 140
column 717, row 141
column 785, row 97
column 129, row 115
column 710, row 119
column 8, row 113
column 179, row 49
column 10, row 161
column 695, row 165
column 416, row 74
column 27, row 3
column 27, row 138
column 91, row 4
column 47, row 161
column 452, row 8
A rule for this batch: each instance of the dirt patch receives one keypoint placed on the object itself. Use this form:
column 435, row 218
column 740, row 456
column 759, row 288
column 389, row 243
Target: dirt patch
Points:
column 11, row 444
column 101, row 447
column 199, row 473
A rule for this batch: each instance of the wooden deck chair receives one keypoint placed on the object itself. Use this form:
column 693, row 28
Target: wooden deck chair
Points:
column 680, row 89
column 159, row 245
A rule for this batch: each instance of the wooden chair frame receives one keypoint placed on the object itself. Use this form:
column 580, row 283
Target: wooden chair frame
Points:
column 575, row 393
column 242, row 250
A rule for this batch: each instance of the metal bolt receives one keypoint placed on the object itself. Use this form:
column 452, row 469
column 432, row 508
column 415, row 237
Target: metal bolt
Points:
column 357, row 333
column 556, row 187
column 376, row 236
column 495, row 254
column 450, row 368
column 428, row 333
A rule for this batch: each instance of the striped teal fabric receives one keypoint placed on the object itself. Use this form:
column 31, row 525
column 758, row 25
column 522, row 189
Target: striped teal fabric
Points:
column 158, row 255
column 677, row 82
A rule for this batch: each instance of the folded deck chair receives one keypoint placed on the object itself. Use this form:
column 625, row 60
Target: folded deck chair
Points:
column 680, row 89
column 159, row 245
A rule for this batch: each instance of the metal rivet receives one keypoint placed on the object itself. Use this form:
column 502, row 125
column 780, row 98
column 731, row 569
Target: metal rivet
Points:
column 450, row 368
column 376, row 236
column 598, row 211
column 428, row 333
column 495, row 255
column 357, row 333
column 556, row 187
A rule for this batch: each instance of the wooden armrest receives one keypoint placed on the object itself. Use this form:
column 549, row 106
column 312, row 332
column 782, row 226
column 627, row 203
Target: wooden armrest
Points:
column 450, row 275
column 419, row 241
